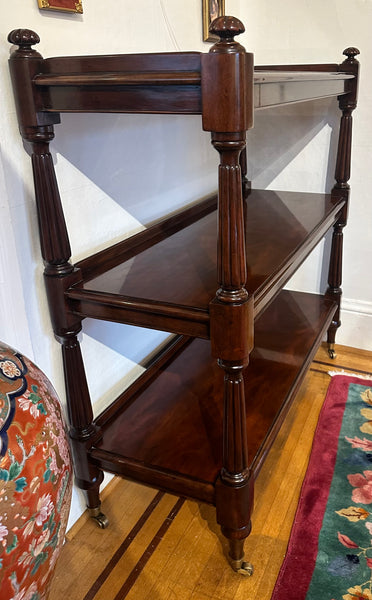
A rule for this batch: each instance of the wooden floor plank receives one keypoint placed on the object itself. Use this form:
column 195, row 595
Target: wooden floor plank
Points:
column 346, row 358
column 125, row 567
column 92, row 548
column 189, row 561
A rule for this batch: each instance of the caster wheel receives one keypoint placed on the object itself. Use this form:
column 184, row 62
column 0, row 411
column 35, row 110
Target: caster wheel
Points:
column 246, row 569
column 98, row 516
column 101, row 520
column 242, row 567
column 332, row 354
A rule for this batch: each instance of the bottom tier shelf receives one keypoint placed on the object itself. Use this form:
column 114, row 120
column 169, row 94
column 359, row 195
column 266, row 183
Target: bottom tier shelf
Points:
column 166, row 431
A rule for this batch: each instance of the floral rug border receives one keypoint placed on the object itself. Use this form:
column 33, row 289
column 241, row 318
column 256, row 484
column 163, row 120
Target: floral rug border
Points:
column 347, row 567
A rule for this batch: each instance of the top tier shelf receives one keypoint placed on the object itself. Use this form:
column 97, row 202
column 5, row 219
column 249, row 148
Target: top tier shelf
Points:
column 168, row 83
column 222, row 85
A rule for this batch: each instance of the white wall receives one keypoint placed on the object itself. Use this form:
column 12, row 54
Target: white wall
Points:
column 318, row 31
column 152, row 165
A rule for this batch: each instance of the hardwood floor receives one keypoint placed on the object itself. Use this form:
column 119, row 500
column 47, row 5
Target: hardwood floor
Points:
column 159, row 547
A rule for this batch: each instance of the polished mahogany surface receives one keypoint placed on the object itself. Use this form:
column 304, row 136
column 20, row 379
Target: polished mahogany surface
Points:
column 174, row 425
column 281, row 228
column 166, row 83
column 160, row 83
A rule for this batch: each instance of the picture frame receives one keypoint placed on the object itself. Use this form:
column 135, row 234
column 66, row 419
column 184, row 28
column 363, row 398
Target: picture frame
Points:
column 74, row 6
column 211, row 10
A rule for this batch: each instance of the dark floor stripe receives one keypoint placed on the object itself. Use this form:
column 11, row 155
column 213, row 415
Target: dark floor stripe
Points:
column 318, row 371
column 136, row 571
column 333, row 366
column 123, row 547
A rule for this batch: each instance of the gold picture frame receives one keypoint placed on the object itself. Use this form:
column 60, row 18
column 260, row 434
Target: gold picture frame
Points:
column 211, row 10
column 74, row 6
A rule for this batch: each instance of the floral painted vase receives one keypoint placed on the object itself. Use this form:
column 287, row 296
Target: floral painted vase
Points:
column 35, row 479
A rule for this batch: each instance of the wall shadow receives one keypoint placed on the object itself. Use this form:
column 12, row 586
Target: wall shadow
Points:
column 150, row 165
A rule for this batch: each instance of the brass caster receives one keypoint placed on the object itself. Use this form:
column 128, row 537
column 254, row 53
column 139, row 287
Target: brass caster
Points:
column 98, row 516
column 101, row 520
column 332, row 352
column 242, row 567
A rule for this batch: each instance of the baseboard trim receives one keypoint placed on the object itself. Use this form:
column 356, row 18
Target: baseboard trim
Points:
column 356, row 328
column 358, row 306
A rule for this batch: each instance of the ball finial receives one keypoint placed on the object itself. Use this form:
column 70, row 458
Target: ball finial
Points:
column 24, row 38
column 226, row 28
column 351, row 53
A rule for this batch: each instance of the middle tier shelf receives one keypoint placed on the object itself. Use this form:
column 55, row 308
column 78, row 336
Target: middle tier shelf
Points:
column 165, row 277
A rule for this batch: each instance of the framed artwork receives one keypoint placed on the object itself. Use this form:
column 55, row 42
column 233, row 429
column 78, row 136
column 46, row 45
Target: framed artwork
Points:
column 211, row 10
column 75, row 6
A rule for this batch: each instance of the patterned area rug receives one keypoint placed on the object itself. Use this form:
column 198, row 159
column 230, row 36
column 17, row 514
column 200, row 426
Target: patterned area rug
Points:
column 329, row 556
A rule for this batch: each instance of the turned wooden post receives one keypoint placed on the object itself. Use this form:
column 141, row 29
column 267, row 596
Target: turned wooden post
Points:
column 347, row 104
column 37, row 129
column 227, row 74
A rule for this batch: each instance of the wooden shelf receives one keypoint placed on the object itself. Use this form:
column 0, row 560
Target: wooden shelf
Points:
column 166, row 277
column 167, row 83
column 168, row 431
column 286, row 87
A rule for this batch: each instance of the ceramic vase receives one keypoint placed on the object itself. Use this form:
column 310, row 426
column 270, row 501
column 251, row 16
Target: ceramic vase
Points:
column 35, row 478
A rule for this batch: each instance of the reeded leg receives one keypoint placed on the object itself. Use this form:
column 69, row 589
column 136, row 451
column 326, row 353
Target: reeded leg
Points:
column 235, row 487
column 59, row 275
column 341, row 188
column 334, row 290
column 231, row 311
column 83, row 431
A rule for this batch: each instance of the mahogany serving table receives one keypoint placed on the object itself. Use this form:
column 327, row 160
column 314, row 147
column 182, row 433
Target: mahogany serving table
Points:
column 201, row 419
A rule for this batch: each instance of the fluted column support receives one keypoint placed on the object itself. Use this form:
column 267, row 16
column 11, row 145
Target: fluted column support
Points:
column 341, row 188
column 36, row 128
column 54, row 242
column 231, row 261
column 235, row 451
column 59, row 275
column 227, row 96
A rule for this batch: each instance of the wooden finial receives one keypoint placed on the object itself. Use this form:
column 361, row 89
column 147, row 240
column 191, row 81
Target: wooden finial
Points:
column 351, row 53
column 24, row 38
column 226, row 28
